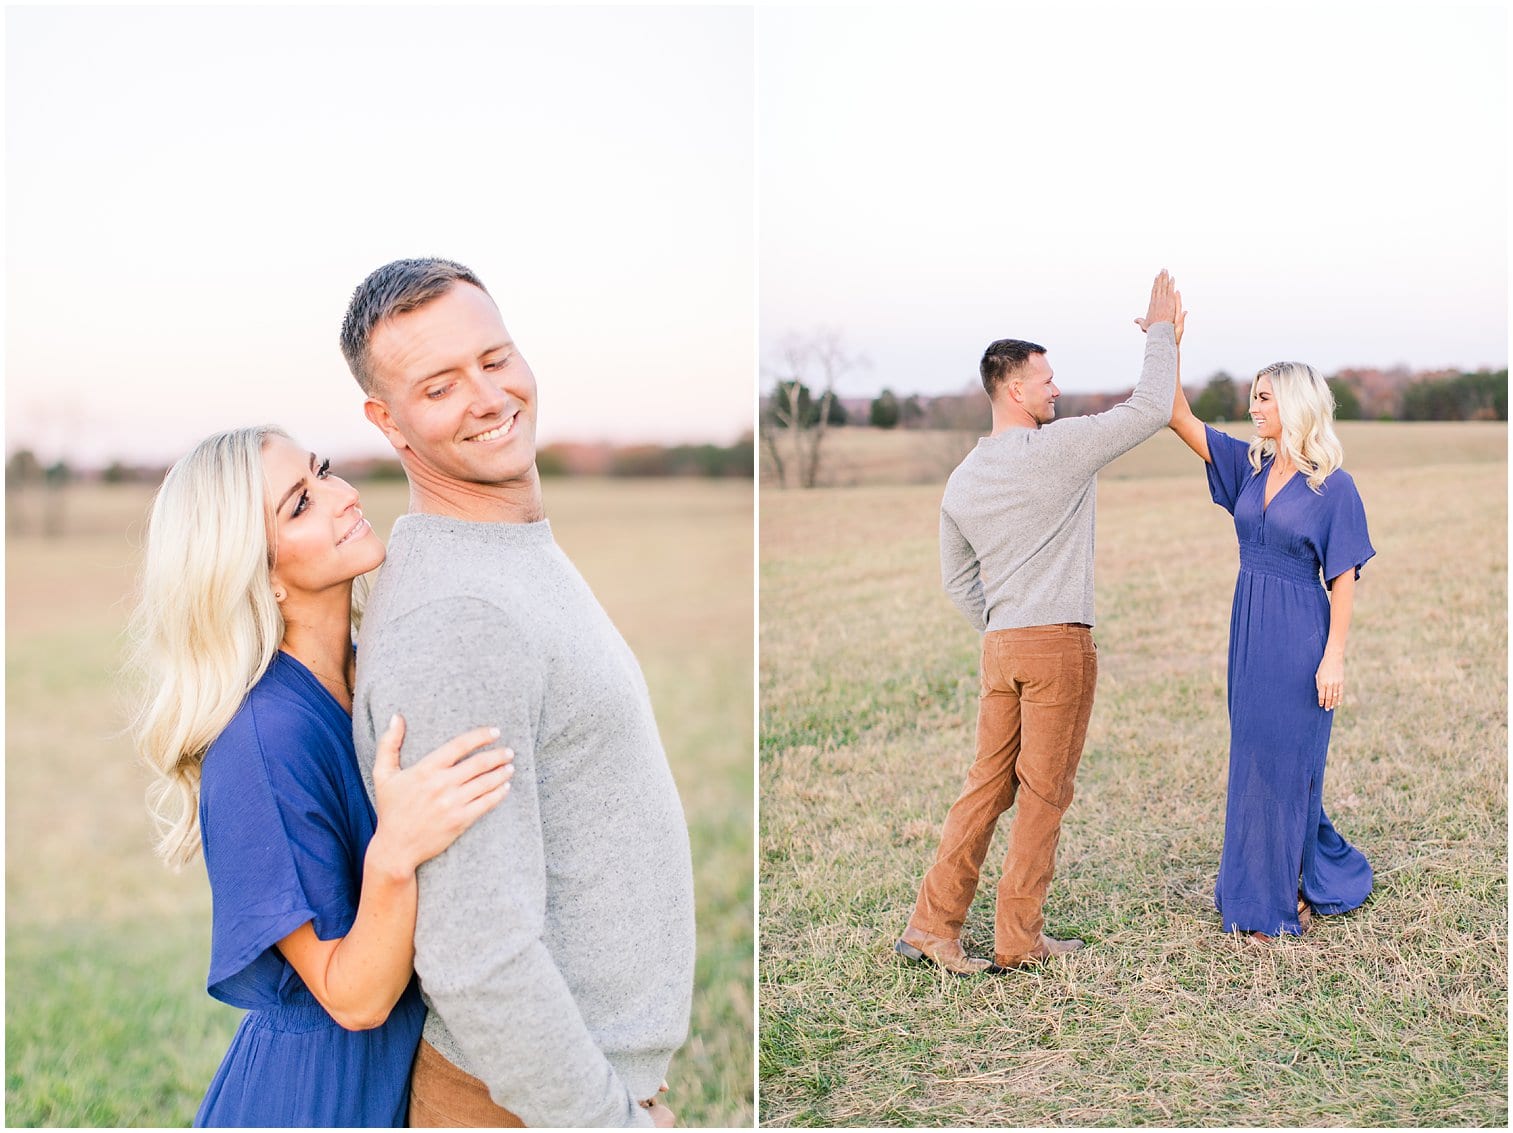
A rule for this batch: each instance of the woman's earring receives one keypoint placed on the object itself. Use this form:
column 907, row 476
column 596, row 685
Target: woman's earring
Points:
column 279, row 595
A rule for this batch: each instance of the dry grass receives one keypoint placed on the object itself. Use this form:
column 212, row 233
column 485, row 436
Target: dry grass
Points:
column 107, row 1021
column 1393, row 1015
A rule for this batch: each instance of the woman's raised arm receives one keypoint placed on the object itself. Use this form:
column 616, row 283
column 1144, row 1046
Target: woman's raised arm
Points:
column 1183, row 422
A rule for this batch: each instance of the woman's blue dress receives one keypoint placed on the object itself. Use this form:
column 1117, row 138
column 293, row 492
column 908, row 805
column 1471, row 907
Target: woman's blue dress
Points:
column 1275, row 828
column 285, row 823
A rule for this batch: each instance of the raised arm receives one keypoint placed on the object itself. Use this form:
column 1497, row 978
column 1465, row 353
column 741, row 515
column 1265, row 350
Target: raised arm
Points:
column 359, row 977
column 1086, row 444
column 1183, row 422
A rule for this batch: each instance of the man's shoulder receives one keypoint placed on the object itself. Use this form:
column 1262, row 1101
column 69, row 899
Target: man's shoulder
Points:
column 423, row 572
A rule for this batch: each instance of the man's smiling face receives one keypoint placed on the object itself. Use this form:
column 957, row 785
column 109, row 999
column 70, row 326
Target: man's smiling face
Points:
column 451, row 392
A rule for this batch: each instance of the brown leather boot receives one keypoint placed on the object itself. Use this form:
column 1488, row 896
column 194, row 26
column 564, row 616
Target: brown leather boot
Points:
column 942, row 951
column 1048, row 948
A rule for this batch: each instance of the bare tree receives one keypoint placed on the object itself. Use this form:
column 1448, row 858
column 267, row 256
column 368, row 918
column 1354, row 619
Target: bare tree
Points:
column 799, row 412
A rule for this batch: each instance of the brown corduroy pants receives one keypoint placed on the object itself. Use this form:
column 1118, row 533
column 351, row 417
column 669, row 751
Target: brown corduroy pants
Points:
column 1037, row 698
column 442, row 1096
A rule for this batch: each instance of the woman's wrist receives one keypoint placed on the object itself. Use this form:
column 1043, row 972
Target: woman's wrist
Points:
column 387, row 863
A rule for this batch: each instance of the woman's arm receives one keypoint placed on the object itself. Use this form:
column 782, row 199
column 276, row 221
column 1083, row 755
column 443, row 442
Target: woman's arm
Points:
column 1330, row 677
column 1183, row 423
column 359, row 977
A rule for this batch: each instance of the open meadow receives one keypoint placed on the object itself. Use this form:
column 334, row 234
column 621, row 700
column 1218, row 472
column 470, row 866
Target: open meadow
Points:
column 107, row 1020
column 1394, row 1015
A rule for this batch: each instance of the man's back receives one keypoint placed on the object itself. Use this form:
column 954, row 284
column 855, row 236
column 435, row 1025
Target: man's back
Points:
column 1017, row 517
column 554, row 940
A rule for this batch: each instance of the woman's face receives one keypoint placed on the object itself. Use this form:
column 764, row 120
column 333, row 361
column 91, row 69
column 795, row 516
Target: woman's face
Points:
column 1263, row 410
column 318, row 532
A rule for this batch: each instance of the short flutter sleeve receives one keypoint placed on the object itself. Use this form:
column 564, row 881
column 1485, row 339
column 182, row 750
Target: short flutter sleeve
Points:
column 1228, row 467
column 1343, row 541
column 278, row 846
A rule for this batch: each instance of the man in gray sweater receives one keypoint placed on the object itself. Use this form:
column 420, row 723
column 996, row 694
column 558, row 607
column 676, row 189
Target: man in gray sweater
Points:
column 1016, row 556
column 555, row 938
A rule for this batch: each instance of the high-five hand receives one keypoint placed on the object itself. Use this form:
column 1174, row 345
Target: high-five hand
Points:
column 1165, row 304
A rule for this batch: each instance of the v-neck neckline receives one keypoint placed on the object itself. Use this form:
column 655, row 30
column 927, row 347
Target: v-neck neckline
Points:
column 1282, row 487
column 310, row 677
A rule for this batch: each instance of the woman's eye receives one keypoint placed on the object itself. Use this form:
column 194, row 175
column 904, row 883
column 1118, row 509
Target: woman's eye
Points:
column 324, row 470
column 437, row 393
column 303, row 501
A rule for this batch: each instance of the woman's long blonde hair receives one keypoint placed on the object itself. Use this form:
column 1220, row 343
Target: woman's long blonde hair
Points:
column 1305, row 408
column 206, row 625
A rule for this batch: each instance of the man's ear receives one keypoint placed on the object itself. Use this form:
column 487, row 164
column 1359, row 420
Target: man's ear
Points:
column 377, row 411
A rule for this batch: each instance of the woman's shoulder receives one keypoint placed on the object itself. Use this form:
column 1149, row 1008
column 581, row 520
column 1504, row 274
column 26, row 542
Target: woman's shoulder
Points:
column 1218, row 439
column 280, row 723
column 1339, row 484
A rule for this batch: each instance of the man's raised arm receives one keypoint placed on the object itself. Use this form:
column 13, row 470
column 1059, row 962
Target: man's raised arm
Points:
column 1093, row 441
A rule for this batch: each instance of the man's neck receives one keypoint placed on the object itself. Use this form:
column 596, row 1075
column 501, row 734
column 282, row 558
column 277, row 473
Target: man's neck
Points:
column 518, row 501
column 1011, row 416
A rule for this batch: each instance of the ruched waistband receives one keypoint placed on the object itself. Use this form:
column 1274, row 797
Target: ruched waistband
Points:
column 1261, row 558
column 297, row 1017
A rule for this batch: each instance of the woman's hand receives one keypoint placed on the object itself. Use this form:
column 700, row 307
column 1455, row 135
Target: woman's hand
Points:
column 1330, row 680
column 423, row 808
column 359, row 977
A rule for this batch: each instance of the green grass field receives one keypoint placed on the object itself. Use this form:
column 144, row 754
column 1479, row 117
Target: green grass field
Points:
column 1395, row 1015
column 107, row 1020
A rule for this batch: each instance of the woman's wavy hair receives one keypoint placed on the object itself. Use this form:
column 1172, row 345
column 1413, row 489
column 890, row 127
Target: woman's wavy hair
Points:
column 206, row 624
column 1305, row 407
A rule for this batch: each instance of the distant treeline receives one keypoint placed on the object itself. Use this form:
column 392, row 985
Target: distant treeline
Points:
column 734, row 461
column 1360, row 394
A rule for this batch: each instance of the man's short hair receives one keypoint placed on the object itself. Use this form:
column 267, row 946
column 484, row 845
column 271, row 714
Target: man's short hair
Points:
column 1002, row 358
column 392, row 290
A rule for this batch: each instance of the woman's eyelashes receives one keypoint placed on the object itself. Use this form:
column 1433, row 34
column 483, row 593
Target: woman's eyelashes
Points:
column 304, row 497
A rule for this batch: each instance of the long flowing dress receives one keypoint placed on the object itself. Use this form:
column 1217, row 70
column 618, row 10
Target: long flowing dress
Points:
column 1278, row 842
column 285, row 823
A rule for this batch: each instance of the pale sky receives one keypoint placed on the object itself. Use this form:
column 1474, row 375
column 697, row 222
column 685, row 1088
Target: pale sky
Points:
column 1327, row 183
column 192, row 193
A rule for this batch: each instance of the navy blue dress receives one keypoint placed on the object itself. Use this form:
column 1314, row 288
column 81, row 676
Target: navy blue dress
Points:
column 285, row 822
column 1277, row 838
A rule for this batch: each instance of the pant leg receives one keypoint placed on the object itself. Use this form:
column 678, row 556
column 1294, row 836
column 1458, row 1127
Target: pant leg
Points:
column 947, row 890
column 1057, row 670
column 445, row 1096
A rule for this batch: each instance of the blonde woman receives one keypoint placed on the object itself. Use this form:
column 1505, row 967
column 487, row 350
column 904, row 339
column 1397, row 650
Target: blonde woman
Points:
column 244, row 631
column 1303, row 540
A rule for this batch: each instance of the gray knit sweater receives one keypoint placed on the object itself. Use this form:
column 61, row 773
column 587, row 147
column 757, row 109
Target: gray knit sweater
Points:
column 555, row 938
column 1016, row 522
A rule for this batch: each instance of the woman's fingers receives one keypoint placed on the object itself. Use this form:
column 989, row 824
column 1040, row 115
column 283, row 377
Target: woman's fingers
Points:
column 483, row 762
column 456, row 748
column 386, row 759
column 478, row 807
column 480, row 785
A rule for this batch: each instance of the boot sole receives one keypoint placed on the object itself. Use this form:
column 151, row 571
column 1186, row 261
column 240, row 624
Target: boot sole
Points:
column 909, row 952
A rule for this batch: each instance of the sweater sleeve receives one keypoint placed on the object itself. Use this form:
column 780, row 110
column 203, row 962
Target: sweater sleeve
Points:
column 961, row 573
column 1088, row 443
column 447, row 667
